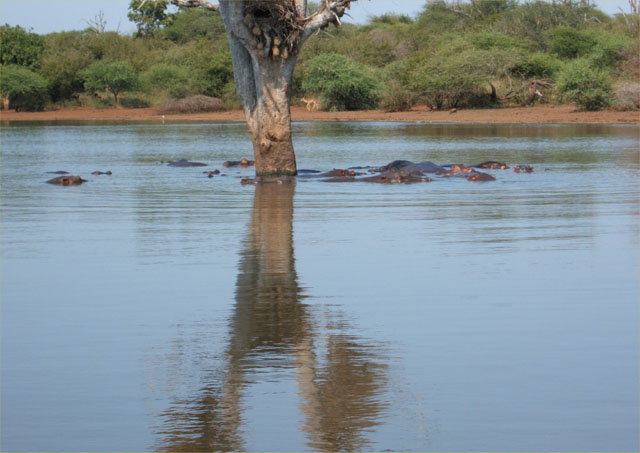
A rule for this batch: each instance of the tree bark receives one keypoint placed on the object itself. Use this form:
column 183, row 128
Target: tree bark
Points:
column 265, row 38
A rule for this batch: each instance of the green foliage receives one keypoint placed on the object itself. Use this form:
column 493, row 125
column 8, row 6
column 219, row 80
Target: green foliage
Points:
column 454, row 72
column 134, row 102
column 608, row 50
column 17, row 46
column 176, row 81
column 397, row 98
column 193, row 24
column 26, row 89
column 341, row 83
column 486, row 40
column 588, row 87
column 66, row 55
column 569, row 42
column 115, row 77
column 537, row 65
column 149, row 16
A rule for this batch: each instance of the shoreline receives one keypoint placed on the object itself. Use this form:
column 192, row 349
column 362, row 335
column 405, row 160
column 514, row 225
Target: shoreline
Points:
column 546, row 114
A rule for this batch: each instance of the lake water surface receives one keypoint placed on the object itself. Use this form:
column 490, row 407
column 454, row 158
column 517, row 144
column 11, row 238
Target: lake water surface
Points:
column 158, row 309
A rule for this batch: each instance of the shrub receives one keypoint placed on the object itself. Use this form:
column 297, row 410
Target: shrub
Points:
column 25, row 89
column 194, row 104
column 115, row 77
column 627, row 97
column 588, row 87
column 454, row 73
column 341, row 83
column 536, row 66
column 172, row 79
column 608, row 50
column 489, row 40
column 569, row 42
column 397, row 98
column 134, row 103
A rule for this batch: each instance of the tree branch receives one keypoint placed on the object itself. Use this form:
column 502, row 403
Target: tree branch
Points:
column 330, row 12
column 195, row 3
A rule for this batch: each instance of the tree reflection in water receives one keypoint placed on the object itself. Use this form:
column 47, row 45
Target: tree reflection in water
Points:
column 340, row 377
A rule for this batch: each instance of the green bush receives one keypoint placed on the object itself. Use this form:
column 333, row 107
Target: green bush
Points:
column 26, row 89
column 397, row 98
column 608, row 50
column 487, row 40
column 581, row 83
column 569, row 42
column 172, row 79
column 536, row 66
column 134, row 103
column 114, row 77
column 454, row 73
column 341, row 83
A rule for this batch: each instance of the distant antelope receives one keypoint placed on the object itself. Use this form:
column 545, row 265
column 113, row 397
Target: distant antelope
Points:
column 312, row 104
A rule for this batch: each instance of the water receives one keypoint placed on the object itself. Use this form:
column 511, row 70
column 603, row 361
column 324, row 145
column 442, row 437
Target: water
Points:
column 158, row 309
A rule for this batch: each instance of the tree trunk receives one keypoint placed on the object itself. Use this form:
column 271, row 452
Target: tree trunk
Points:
column 269, row 120
column 263, row 84
column 5, row 102
column 265, row 37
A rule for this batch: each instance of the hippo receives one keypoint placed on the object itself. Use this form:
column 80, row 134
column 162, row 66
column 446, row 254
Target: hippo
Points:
column 211, row 174
column 492, row 165
column 67, row 180
column 480, row 177
column 185, row 163
column 240, row 163
column 523, row 169
column 422, row 167
column 59, row 172
column 98, row 173
column 392, row 177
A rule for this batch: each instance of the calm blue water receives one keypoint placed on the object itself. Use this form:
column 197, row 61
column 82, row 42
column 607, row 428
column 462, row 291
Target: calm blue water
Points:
column 158, row 309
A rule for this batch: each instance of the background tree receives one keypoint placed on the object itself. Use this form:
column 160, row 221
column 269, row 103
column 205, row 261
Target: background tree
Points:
column 148, row 15
column 114, row 77
column 22, row 88
column 17, row 46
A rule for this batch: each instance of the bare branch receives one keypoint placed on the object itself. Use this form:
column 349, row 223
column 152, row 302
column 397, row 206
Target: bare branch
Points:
column 195, row 4
column 329, row 13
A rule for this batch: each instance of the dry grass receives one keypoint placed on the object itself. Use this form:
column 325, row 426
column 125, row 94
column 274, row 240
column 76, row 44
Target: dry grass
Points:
column 627, row 97
column 193, row 104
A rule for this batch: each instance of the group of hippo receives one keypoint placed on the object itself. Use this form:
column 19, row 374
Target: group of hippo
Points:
column 403, row 171
column 398, row 171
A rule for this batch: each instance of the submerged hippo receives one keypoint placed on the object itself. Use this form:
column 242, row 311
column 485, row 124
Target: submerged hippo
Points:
column 492, row 165
column 240, row 163
column 211, row 174
column 98, row 173
column 67, row 180
column 523, row 169
column 185, row 163
column 59, row 172
column 480, row 177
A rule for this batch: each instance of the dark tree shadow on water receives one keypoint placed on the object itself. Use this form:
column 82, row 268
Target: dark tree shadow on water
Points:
column 340, row 378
